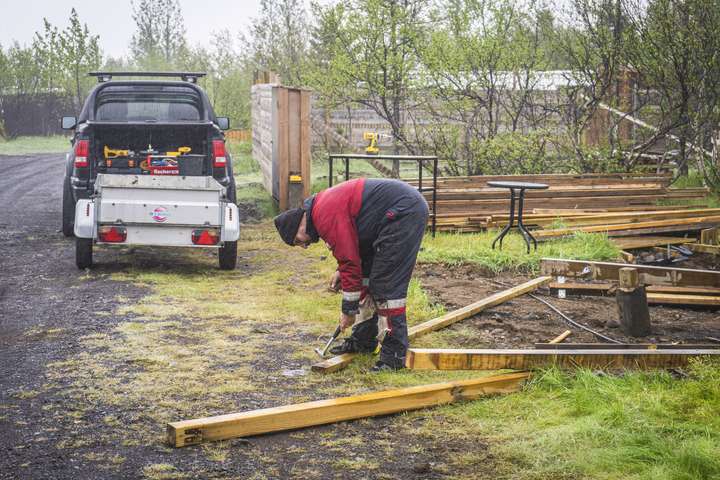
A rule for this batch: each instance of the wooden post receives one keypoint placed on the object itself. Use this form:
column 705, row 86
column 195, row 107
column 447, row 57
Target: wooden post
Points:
column 287, row 175
column 632, row 304
column 709, row 236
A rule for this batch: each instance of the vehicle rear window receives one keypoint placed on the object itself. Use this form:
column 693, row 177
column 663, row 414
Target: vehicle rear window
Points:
column 149, row 104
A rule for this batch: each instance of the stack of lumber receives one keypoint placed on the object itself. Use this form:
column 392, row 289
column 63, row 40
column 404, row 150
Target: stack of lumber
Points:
column 623, row 224
column 468, row 204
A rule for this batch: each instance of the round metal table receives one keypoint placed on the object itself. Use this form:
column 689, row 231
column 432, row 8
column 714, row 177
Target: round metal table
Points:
column 520, row 188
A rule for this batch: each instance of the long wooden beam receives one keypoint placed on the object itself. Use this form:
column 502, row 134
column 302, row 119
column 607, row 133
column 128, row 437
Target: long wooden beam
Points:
column 674, row 299
column 649, row 275
column 488, row 359
column 629, row 243
column 341, row 361
column 688, row 223
column 702, row 248
column 290, row 417
column 625, row 346
column 477, row 307
column 609, row 288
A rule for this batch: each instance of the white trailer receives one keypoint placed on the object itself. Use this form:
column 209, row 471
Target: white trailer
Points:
column 178, row 211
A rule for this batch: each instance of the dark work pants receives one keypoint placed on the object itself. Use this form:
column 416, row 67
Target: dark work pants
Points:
column 388, row 267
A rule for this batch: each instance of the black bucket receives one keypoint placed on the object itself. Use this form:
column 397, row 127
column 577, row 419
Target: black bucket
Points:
column 191, row 165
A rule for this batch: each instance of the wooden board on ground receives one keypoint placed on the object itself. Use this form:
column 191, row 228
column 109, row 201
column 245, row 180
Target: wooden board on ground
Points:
column 290, row 417
column 336, row 363
column 608, row 288
column 649, row 275
column 561, row 337
column 630, row 243
column 488, row 359
column 683, row 300
column 680, row 224
column 624, row 346
column 475, row 308
column 702, row 248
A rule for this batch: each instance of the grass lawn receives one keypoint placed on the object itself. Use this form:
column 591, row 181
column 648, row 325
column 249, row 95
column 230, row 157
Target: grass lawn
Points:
column 206, row 342
column 30, row 145
column 203, row 333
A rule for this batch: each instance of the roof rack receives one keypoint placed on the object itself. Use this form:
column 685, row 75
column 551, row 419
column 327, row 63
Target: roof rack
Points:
column 184, row 76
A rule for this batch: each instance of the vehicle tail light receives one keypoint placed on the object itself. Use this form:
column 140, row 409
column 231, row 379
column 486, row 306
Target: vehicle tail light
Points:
column 205, row 237
column 82, row 151
column 112, row 234
column 219, row 155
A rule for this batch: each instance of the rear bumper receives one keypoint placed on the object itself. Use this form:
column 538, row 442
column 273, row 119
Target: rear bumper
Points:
column 86, row 224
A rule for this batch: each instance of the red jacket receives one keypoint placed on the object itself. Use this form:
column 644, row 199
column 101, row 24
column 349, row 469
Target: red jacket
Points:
column 333, row 215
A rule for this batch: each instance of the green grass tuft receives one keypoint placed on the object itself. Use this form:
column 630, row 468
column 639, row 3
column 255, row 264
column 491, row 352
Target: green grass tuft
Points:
column 456, row 249
column 642, row 425
column 29, row 145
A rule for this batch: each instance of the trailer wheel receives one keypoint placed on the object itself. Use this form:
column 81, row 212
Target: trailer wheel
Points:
column 83, row 253
column 227, row 255
column 68, row 209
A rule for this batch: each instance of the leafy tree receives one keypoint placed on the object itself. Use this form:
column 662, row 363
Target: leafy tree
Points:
column 278, row 39
column 78, row 53
column 676, row 50
column 479, row 70
column 371, row 48
column 159, row 40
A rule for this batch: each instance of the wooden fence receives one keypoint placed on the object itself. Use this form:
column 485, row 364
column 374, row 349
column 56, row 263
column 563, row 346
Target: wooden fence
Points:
column 240, row 135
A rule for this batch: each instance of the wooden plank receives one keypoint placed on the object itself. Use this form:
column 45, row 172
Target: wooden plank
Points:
column 477, row 307
column 701, row 248
column 578, row 288
column 341, row 361
column 575, row 211
column 488, row 359
column 709, row 236
column 611, row 218
column 306, row 140
column 561, row 337
column 631, row 243
column 334, row 364
column 624, row 346
column 283, row 149
column 649, row 275
column 673, row 223
column 674, row 299
column 290, row 417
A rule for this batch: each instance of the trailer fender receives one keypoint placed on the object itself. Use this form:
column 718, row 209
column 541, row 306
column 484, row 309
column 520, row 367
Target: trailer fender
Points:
column 85, row 219
column 231, row 224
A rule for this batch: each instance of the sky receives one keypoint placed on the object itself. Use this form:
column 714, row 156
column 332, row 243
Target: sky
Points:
column 112, row 20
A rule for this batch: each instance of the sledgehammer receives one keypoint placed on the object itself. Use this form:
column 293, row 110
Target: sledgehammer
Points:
column 322, row 352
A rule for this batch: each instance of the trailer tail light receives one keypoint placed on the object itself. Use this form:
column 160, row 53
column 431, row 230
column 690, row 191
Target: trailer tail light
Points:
column 82, row 151
column 112, row 234
column 219, row 155
column 206, row 237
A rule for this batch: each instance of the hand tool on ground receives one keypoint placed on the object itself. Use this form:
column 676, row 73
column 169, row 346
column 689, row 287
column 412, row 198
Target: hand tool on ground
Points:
column 323, row 352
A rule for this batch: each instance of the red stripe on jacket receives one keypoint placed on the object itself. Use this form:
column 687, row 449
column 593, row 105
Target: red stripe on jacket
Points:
column 333, row 214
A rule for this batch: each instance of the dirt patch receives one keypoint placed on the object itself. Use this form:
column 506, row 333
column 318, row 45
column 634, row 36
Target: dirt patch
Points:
column 524, row 321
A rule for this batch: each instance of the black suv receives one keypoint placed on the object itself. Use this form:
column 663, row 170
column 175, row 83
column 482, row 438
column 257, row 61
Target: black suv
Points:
column 124, row 122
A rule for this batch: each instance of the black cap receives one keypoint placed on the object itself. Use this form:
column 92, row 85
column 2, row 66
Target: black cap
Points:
column 287, row 224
